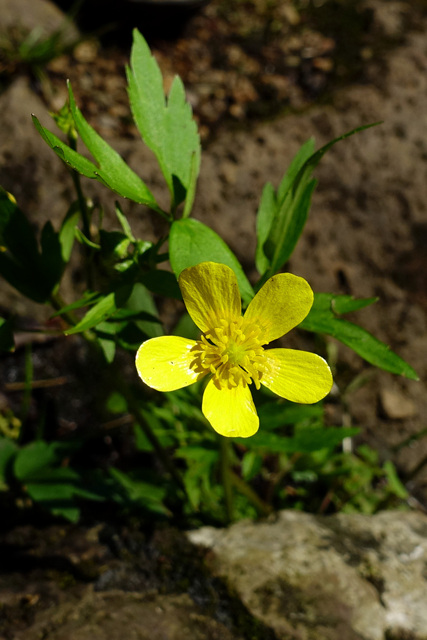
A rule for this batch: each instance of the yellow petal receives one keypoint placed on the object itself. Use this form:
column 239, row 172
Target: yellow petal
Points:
column 281, row 304
column 164, row 363
column 210, row 293
column 231, row 412
column 297, row 375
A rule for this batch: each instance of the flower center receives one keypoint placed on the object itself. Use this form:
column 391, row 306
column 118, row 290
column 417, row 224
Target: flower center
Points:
column 232, row 352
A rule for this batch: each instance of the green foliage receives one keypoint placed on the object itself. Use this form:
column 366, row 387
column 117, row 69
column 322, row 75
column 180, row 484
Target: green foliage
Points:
column 167, row 128
column 324, row 318
column 34, row 271
column 191, row 242
column 295, row 460
column 282, row 215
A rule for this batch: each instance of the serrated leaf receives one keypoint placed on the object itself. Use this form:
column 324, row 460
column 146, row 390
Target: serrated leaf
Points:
column 322, row 319
column 167, row 128
column 192, row 242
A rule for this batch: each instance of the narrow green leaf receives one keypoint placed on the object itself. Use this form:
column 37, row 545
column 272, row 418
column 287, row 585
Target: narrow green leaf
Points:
column 307, row 440
column 394, row 483
column 192, row 242
column 346, row 304
column 288, row 225
column 113, row 170
column 67, row 231
column 124, row 222
column 322, row 319
column 302, row 155
column 88, row 299
column 265, row 216
column 285, row 221
column 101, row 310
column 80, row 236
column 69, row 156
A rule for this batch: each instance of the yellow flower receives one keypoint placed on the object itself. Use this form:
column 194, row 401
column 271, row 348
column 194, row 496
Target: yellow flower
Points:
column 231, row 348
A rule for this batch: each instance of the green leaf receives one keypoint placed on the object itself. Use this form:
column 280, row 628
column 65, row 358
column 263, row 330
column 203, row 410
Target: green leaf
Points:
column 88, row 299
column 8, row 451
column 145, row 494
column 306, row 440
column 139, row 301
column 322, row 319
column 282, row 216
column 36, row 456
column 274, row 415
column 67, row 231
column 168, row 129
column 113, row 170
column 102, row 310
column 303, row 154
column 265, row 216
column 7, row 342
column 346, row 304
column 192, row 242
column 124, row 222
column 162, row 283
column 69, row 156
column 38, row 467
column 394, row 483
column 33, row 272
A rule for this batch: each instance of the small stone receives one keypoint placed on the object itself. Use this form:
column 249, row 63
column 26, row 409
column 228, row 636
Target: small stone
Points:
column 396, row 405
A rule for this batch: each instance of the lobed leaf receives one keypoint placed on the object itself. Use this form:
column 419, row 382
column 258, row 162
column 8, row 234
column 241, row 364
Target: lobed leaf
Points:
column 167, row 128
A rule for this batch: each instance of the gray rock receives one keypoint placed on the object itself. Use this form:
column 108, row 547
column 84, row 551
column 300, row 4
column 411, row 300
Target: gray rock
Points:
column 42, row 15
column 342, row 577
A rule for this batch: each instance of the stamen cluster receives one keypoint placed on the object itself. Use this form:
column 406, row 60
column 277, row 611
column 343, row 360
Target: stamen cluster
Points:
column 232, row 352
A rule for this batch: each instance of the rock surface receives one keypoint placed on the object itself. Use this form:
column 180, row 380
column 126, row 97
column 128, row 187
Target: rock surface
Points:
column 40, row 15
column 115, row 615
column 344, row 577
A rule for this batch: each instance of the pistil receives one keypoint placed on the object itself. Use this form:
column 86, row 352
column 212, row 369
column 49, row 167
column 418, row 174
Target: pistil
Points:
column 232, row 352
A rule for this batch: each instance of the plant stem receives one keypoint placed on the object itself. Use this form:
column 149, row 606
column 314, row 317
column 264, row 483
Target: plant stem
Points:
column 224, row 444
column 29, row 371
column 262, row 507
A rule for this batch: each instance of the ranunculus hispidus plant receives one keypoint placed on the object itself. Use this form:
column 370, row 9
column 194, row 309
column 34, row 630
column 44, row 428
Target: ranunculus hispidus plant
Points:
column 228, row 363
